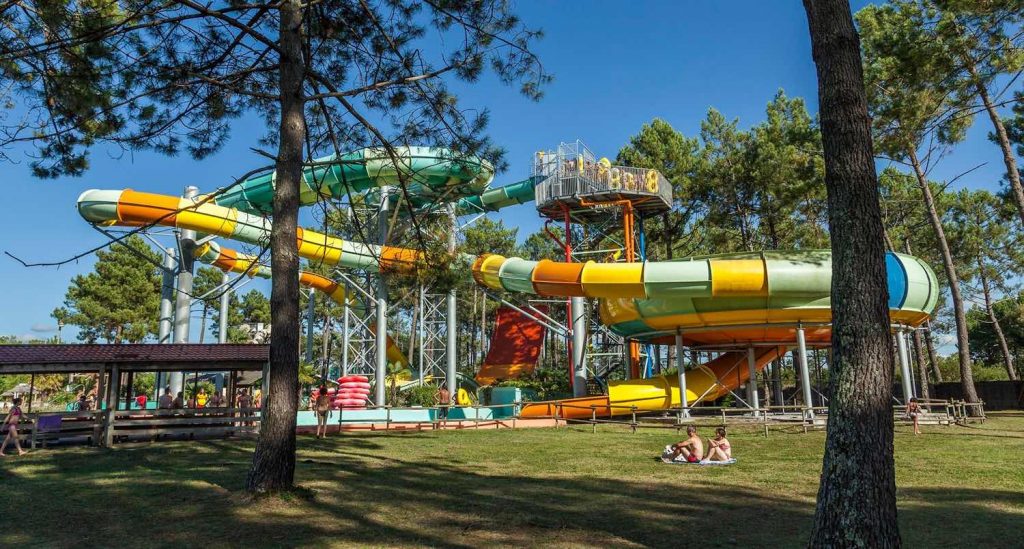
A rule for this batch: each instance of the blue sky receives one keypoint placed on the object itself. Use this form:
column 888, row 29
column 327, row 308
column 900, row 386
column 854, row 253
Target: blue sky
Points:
column 617, row 65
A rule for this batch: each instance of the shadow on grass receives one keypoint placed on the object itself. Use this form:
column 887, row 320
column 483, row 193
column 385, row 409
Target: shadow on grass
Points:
column 190, row 494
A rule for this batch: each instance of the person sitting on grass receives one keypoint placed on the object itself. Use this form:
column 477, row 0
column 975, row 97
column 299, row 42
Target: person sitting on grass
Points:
column 10, row 428
column 914, row 412
column 719, row 448
column 692, row 448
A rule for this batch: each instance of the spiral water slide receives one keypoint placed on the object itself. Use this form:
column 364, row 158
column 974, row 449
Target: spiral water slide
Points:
column 730, row 301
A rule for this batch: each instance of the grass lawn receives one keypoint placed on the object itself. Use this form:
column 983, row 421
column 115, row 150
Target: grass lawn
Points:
column 958, row 486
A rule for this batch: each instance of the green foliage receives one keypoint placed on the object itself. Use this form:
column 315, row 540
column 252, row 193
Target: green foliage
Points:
column 984, row 342
column 119, row 301
column 253, row 307
column 548, row 383
column 144, row 383
column 761, row 188
column 422, row 395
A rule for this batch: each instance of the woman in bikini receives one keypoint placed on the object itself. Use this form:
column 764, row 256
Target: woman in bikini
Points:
column 10, row 428
column 719, row 447
column 914, row 412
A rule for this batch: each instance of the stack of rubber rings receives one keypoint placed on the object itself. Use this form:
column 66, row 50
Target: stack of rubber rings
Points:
column 353, row 392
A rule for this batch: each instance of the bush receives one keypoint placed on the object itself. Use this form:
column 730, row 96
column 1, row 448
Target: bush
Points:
column 420, row 396
column 548, row 383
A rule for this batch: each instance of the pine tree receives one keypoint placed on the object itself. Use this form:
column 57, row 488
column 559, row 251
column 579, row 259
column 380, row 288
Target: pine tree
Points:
column 119, row 301
column 857, row 496
column 901, row 63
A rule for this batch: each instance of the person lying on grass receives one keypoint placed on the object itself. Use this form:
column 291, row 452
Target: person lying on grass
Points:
column 692, row 448
column 719, row 448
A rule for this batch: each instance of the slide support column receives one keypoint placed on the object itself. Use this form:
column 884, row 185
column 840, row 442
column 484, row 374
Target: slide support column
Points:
column 579, row 346
column 225, row 300
column 901, row 350
column 683, row 399
column 183, row 300
column 805, row 378
column 380, row 373
column 752, row 395
column 451, row 346
column 166, row 310
column 345, row 333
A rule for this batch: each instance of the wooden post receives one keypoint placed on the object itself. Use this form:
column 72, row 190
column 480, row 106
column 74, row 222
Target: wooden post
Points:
column 593, row 416
column 113, row 391
column 31, row 392
column 101, row 388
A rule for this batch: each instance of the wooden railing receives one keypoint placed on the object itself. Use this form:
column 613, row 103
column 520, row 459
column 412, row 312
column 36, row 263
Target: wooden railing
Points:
column 124, row 424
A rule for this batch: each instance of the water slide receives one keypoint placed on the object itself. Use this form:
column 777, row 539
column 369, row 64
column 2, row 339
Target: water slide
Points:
column 728, row 300
column 428, row 173
column 515, row 346
column 230, row 260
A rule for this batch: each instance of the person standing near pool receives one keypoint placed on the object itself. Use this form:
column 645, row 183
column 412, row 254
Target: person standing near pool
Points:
column 444, row 401
column 323, row 411
column 10, row 427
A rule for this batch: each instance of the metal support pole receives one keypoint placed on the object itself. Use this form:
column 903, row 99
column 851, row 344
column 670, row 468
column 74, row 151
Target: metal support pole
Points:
column 451, row 346
column 422, row 331
column 752, row 397
column 805, row 377
column 310, row 305
column 683, row 398
column 183, row 300
column 225, row 301
column 901, row 350
column 345, row 333
column 166, row 323
column 579, row 345
column 910, row 362
column 380, row 372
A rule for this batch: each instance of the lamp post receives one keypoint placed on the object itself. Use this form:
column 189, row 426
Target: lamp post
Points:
column 60, row 327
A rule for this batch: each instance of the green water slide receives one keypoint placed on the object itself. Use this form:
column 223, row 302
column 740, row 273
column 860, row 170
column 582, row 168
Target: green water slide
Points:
column 429, row 174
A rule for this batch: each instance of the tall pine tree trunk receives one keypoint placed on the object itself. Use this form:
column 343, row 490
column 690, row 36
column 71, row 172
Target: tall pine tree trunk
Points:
column 962, row 340
column 1003, row 347
column 932, row 358
column 1012, row 175
column 202, row 323
column 273, row 462
column 922, row 367
column 857, row 496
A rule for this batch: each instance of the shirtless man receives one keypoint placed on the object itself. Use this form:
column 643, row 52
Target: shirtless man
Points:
column 692, row 448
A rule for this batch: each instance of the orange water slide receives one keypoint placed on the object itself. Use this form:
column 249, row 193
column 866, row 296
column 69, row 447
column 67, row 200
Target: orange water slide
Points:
column 709, row 381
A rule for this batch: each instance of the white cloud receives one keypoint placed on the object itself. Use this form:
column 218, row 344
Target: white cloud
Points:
column 43, row 328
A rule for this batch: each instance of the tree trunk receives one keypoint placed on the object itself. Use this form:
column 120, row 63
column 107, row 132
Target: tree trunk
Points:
column 325, row 343
column 668, row 236
column 857, row 496
column 412, row 332
column 930, row 345
column 273, row 462
column 1012, row 175
column 1003, row 347
column 922, row 368
column 962, row 340
column 202, row 324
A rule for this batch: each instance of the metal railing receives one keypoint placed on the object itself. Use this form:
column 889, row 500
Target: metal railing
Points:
column 575, row 179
